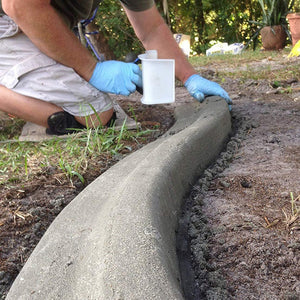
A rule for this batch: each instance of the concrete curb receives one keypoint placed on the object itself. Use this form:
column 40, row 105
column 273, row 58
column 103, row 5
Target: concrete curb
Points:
column 116, row 239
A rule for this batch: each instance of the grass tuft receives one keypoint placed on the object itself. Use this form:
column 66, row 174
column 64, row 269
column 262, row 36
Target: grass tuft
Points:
column 20, row 161
column 247, row 65
column 292, row 216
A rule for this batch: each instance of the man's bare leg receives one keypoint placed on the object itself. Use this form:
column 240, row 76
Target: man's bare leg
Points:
column 93, row 120
column 38, row 111
column 26, row 108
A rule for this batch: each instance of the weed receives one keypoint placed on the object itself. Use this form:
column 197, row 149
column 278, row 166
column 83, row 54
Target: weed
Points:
column 131, row 110
column 74, row 155
column 292, row 217
column 276, row 84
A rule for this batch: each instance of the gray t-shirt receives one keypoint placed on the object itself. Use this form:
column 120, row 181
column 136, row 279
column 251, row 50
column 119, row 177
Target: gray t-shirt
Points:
column 75, row 10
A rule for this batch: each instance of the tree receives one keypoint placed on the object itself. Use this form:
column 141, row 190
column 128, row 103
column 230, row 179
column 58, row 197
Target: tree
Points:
column 116, row 29
column 203, row 20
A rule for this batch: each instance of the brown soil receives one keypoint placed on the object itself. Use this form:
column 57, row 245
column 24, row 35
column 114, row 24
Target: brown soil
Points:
column 243, row 231
column 241, row 244
column 28, row 208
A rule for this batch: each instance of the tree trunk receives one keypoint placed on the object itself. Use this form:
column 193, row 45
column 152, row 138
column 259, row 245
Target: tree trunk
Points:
column 99, row 42
column 199, row 19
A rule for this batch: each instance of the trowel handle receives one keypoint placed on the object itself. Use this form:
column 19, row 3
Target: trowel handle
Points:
column 139, row 89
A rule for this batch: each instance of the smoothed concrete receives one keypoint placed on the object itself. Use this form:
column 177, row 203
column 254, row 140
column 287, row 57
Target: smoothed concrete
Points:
column 116, row 239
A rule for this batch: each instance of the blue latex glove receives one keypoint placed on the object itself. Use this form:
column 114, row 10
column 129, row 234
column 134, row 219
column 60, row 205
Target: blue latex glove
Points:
column 116, row 77
column 199, row 86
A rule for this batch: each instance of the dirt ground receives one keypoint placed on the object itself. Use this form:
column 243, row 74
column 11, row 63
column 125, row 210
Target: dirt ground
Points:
column 243, row 231
column 28, row 208
column 238, row 218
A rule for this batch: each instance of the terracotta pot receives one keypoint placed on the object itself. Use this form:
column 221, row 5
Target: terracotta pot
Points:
column 273, row 37
column 294, row 21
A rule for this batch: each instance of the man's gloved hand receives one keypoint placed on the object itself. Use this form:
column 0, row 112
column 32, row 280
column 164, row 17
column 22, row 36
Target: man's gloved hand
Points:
column 116, row 77
column 199, row 86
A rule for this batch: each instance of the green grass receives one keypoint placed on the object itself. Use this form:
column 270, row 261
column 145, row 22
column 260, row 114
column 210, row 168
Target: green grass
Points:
column 244, row 57
column 73, row 156
column 247, row 65
column 10, row 127
column 20, row 161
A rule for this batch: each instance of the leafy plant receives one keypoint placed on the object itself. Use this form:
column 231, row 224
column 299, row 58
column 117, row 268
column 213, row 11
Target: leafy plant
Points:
column 113, row 23
column 273, row 12
column 294, row 6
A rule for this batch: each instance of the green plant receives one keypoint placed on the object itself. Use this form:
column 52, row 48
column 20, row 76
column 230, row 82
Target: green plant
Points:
column 74, row 156
column 273, row 12
column 114, row 25
column 295, row 6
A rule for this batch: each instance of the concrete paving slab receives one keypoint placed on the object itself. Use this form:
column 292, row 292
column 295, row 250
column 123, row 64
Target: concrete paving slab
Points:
column 116, row 239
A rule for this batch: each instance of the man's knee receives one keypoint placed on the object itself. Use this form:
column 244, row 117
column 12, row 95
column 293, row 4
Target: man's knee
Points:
column 62, row 122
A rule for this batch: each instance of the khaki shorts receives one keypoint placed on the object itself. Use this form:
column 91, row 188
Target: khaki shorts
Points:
column 26, row 70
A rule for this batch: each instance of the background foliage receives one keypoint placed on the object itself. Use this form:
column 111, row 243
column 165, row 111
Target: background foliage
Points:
column 204, row 20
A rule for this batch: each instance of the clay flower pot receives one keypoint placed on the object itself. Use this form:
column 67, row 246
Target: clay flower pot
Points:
column 273, row 37
column 294, row 21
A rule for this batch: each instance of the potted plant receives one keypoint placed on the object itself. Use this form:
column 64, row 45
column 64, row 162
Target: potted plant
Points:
column 273, row 25
column 294, row 21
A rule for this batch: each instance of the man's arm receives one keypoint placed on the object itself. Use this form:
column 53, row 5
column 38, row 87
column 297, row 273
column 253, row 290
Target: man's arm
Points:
column 153, row 32
column 45, row 28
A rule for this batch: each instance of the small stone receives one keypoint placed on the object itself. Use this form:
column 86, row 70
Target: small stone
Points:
column 2, row 274
column 254, row 125
column 245, row 184
column 224, row 183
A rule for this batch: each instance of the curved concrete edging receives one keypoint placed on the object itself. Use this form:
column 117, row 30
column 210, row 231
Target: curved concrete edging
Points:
column 116, row 239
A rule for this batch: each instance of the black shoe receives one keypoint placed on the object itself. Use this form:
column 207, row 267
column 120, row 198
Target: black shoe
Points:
column 63, row 123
